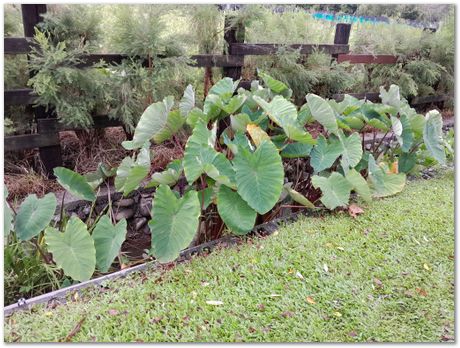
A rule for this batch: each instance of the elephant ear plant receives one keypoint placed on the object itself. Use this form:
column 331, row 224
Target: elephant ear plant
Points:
column 262, row 159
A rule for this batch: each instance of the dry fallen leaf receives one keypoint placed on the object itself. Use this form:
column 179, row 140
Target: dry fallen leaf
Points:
column 394, row 168
column 310, row 300
column 214, row 303
column 421, row 292
column 287, row 314
column 354, row 210
column 326, row 269
column 352, row 334
column 274, row 295
column 299, row 275
column 113, row 312
column 204, row 284
column 338, row 314
column 378, row 282
column 426, row 267
column 49, row 314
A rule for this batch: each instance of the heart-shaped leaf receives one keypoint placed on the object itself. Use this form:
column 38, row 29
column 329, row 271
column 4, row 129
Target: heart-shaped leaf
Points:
column 234, row 211
column 352, row 150
column 130, row 173
column 34, row 215
column 432, row 136
column 359, row 184
column 322, row 112
column 259, row 176
column 73, row 250
column 107, row 241
column 335, row 189
column 169, row 176
column 187, row 103
column 284, row 114
column 174, row 223
column 325, row 153
column 257, row 134
column 75, row 183
column 157, row 123
column 296, row 150
column 383, row 184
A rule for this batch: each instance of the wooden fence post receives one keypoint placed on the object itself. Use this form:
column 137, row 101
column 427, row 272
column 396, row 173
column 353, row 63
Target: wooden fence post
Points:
column 50, row 156
column 233, row 35
column 342, row 35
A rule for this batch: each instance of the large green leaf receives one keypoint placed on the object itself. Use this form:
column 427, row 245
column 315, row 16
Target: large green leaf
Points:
column 130, row 173
column 406, row 162
column 224, row 88
column 239, row 122
column 296, row 150
column 325, row 153
column 157, row 122
column 352, row 150
column 194, row 116
column 284, row 114
column 335, row 189
column 233, row 104
column 359, row 184
column 34, row 215
column 432, row 136
column 275, row 85
column 199, row 151
column 174, row 122
column 7, row 213
column 187, row 103
column 73, row 250
column 75, row 183
column 107, row 241
column 169, row 176
column 174, row 223
column 382, row 183
column 407, row 135
column 298, row 197
column 259, row 176
column 391, row 97
column 234, row 211
column 322, row 112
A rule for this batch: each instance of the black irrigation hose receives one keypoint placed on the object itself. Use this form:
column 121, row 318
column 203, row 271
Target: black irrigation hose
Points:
column 262, row 230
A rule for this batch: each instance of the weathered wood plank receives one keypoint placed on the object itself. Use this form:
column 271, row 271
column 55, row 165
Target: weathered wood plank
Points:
column 17, row 45
column 367, row 58
column 266, row 49
column 430, row 99
column 22, row 96
column 29, row 141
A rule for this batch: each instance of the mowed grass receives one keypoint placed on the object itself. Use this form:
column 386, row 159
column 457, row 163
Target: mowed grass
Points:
column 387, row 275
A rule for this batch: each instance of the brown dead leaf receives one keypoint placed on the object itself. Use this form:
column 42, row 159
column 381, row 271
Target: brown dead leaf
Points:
column 354, row 210
column 447, row 338
column 155, row 320
column 310, row 300
column 378, row 282
column 287, row 314
column 421, row 292
column 352, row 334
column 261, row 307
column 113, row 312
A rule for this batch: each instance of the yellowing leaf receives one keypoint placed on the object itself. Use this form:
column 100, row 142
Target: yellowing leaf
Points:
column 338, row 314
column 257, row 134
column 394, row 168
column 310, row 300
column 49, row 314
column 426, row 267
column 326, row 269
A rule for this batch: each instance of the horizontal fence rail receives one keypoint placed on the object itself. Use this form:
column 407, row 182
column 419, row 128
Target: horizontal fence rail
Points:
column 247, row 49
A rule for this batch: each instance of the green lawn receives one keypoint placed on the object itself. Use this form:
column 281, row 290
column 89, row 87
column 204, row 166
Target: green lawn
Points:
column 387, row 275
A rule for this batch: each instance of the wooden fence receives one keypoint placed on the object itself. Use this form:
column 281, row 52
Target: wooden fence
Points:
column 232, row 62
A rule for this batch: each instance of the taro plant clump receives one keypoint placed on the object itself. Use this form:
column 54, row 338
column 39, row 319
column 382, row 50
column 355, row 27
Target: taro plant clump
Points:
column 266, row 156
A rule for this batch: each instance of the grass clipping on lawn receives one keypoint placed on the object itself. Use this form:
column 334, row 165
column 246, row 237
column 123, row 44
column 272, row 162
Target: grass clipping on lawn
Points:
column 387, row 275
